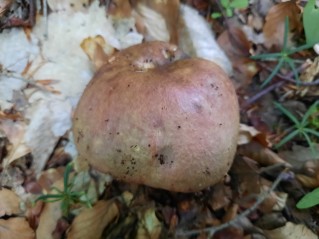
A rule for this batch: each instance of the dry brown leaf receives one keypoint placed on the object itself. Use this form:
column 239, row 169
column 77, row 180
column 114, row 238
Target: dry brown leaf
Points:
column 15, row 133
column 49, row 217
column 221, row 197
column 16, row 228
column 91, row 222
column 275, row 22
column 231, row 213
column 246, row 174
column 236, row 46
column 275, row 201
column 249, row 133
column 49, row 177
column 9, row 203
column 96, row 49
column 309, row 75
column 299, row 156
column 306, row 181
column 254, row 150
column 168, row 10
column 291, row 231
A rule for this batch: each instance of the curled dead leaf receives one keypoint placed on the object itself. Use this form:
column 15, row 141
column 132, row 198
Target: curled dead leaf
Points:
column 49, row 217
column 235, row 44
column 265, row 156
column 9, row 203
column 291, row 231
column 91, row 222
column 97, row 49
column 275, row 22
column 16, row 228
column 306, row 181
column 249, row 133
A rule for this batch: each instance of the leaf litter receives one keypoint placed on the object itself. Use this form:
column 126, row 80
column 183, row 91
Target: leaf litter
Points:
column 41, row 84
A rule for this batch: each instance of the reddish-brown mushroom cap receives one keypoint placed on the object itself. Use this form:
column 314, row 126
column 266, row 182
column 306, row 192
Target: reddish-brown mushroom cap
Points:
column 152, row 118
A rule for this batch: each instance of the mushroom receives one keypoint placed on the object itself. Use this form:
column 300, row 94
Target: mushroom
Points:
column 152, row 116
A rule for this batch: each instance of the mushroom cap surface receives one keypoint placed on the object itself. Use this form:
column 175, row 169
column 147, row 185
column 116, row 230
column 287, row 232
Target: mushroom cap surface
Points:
column 152, row 117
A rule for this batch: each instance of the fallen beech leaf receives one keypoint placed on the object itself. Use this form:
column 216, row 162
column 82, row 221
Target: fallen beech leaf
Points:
column 9, row 203
column 149, row 226
column 15, row 132
column 254, row 150
column 291, row 231
column 49, row 217
column 270, row 221
column 168, row 10
column 248, row 133
column 306, row 181
column 229, row 232
column 309, row 75
column 236, row 46
column 275, row 22
column 96, row 49
column 16, row 228
column 245, row 171
column 300, row 155
column 91, row 222
column 48, row 177
column 221, row 197
column 231, row 213
column 275, row 201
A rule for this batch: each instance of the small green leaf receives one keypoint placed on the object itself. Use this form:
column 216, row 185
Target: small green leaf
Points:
column 239, row 4
column 310, row 20
column 225, row 3
column 309, row 200
column 229, row 12
column 216, row 15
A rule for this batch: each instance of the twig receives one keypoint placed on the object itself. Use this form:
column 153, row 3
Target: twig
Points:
column 212, row 230
column 288, row 78
column 263, row 92
column 29, row 80
column 46, row 22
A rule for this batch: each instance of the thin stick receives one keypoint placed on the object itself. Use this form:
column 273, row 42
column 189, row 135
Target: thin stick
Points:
column 212, row 230
column 46, row 22
column 263, row 92
column 288, row 78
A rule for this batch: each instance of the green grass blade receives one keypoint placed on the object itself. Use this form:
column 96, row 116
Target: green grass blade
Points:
column 294, row 70
column 264, row 57
column 48, row 196
column 311, row 131
column 273, row 73
column 310, row 111
column 288, row 114
column 310, row 143
column 284, row 47
column 67, row 172
column 300, row 48
column 286, row 139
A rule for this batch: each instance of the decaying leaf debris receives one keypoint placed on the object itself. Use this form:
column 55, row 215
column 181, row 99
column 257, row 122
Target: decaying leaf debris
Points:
column 44, row 71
